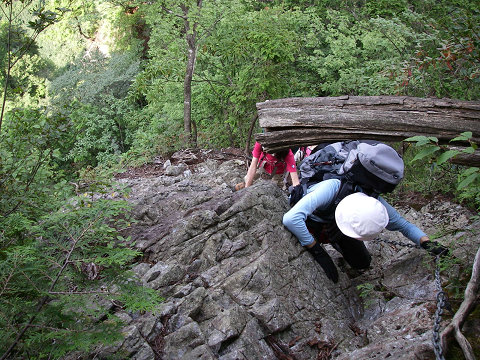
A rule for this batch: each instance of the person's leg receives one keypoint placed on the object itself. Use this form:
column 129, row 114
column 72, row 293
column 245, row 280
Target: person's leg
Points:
column 353, row 251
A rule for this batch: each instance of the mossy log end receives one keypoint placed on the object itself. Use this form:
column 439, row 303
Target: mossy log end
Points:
column 294, row 122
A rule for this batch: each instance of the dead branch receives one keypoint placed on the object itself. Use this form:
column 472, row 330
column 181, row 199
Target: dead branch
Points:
column 467, row 306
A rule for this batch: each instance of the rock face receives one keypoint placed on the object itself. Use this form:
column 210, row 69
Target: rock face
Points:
column 238, row 285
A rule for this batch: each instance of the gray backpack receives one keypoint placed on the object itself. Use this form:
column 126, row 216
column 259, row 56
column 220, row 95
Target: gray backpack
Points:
column 361, row 165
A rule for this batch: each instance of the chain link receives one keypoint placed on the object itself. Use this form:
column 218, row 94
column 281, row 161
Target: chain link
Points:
column 395, row 243
column 441, row 299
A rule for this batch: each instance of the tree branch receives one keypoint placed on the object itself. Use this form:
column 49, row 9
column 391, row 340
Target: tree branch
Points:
column 168, row 11
column 467, row 306
column 9, row 62
column 78, row 292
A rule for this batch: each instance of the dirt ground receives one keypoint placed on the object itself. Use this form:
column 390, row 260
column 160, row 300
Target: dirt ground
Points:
column 191, row 157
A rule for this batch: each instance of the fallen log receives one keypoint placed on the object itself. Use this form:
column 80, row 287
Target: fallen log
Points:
column 307, row 121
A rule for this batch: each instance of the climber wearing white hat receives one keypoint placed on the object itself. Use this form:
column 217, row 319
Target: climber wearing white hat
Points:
column 316, row 219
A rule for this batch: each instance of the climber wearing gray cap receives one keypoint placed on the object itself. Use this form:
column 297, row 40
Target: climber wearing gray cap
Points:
column 356, row 218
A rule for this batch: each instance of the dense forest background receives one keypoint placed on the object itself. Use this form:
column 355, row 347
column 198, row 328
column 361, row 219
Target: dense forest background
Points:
column 91, row 87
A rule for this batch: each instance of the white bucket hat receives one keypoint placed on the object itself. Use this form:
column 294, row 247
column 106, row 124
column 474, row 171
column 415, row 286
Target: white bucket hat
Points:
column 361, row 217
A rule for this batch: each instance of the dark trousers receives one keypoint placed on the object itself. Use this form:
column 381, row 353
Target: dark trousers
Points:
column 353, row 251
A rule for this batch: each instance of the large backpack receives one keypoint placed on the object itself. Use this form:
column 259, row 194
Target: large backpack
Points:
column 361, row 165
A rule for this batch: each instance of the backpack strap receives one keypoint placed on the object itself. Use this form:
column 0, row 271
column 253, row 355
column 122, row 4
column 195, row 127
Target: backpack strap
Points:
column 346, row 188
column 263, row 161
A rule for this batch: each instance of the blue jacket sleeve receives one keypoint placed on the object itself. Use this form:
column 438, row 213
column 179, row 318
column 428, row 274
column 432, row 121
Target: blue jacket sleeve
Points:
column 319, row 196
column 398, row 223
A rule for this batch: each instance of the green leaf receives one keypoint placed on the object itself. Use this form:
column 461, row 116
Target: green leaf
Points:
column 427, row 151
column 417, row 138
column 469, row 171
column 469, row 150
column 57, row 154
column 465, row 136
column 422, row 140
column 447, row 155
column 468, row 180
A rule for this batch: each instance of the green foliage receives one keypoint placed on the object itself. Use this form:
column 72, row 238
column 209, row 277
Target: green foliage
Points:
column 468, row 178
column 367, row 292
column 445, row 61
column 50, row 242
column 449, row 266
column 66, row 275
column 249, row 59
column 64, row 42
column 93, row 96
column 92, row 77
column 100, row 133
column 311, row 49
column 156, row 134
column 365, row 289
column 20, row 41
column 384, row 8
column 127, row 27
column 30, row 146
column 28, row 83
column 353, row 55
column 28, row 71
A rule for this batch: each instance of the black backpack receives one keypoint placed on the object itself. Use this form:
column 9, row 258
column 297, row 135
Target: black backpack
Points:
column 361, row 165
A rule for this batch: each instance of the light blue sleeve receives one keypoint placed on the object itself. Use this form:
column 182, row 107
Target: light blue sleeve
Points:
column 319, row 196
column 398, row 223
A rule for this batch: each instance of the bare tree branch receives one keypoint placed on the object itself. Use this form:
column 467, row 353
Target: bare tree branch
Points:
column 467, row 306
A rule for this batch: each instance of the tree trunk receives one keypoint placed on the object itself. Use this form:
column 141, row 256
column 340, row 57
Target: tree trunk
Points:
column 187, row 88
column 9, row 57
column 191, row 34
column 308, row 121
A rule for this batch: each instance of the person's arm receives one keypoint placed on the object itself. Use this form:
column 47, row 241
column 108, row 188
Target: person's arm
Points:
column 251, row 172
column 292, row 168
column 319, row 196
column 412, row 232
column 295, row 179
column 399, row 223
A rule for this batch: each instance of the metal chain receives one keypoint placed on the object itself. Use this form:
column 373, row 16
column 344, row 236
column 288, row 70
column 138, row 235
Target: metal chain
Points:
column 441, row 299
column 392, row 242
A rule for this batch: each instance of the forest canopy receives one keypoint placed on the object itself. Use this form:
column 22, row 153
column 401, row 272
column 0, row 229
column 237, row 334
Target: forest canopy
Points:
column 90, row 87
